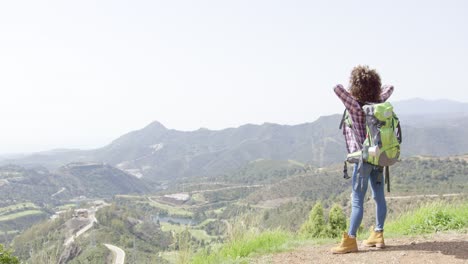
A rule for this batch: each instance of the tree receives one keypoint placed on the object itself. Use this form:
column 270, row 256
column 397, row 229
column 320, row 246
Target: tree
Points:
column 183, row 246
column 315, row 225
column 6, row 257
column 336, row 221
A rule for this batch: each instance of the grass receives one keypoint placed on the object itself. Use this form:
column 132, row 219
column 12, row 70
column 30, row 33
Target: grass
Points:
column 21, row 206
column 204, row 223
column 130, row 197
column 172, row 210
column 197, row 233
column 430, row 218
column 249, row 244
column 198, row 197
column 19, row 215
column 65, row 206
column 295, row 162
column 9, row 232
column 219, row 210
column 170, row 256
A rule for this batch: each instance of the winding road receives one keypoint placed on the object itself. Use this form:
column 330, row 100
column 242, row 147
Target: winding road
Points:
column 119, row 254
column 82, row 230
column 92, row 219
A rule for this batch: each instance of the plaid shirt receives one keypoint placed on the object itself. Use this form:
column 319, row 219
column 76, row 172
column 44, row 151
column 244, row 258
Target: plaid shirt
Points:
column 354, row 140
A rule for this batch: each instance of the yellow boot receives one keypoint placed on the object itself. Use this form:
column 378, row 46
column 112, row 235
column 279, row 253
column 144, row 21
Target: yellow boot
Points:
column 348, row 245
column 375, row 239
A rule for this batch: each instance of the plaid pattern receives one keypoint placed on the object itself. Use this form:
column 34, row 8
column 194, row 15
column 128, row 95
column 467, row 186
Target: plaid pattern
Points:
column 354, row 139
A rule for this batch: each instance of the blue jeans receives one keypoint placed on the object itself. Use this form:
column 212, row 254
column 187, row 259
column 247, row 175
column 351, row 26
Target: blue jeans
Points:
column 374, row 175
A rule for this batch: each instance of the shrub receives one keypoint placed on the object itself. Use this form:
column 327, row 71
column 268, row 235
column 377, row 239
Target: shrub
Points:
column 336, row 221
column 315, row 225
column 6, row 257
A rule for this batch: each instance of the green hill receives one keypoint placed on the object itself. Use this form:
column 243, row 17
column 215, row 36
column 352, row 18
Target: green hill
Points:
column 39, row 185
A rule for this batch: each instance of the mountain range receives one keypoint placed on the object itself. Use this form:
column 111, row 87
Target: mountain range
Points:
column 157, row 153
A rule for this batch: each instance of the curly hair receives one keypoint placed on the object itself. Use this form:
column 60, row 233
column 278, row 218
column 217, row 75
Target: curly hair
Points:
column 365, row 84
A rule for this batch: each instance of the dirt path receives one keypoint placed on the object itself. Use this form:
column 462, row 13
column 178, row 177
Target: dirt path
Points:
column 439, row 248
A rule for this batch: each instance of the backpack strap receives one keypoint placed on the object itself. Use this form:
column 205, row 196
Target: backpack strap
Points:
column 399, row 135
column 387, row 177
column 345, row 171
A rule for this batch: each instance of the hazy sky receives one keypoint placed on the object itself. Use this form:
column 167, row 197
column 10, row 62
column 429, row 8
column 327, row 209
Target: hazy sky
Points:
column 82, row 73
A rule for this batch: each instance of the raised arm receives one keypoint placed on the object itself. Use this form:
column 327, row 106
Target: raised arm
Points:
column 387, row 91
column 348, row 100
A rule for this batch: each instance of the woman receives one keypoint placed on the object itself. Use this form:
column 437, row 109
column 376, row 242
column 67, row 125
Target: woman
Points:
column 365, row 87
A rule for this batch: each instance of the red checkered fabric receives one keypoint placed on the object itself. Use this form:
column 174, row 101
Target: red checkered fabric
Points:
column 354, row 139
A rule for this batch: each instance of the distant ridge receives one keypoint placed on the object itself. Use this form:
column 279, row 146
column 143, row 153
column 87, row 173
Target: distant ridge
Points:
column 418, row 106
column 157, row 153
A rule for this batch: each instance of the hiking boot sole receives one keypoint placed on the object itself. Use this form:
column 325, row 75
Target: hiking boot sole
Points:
column 375, row 245
column 346, row 252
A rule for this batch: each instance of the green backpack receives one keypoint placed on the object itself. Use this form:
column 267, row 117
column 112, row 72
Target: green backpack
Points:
column 383, row 136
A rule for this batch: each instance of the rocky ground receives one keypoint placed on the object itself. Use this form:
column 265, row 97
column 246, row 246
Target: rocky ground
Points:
column 443, row 248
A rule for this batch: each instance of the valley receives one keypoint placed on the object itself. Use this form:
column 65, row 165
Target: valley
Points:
column 200, row 213
column 163, row 196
